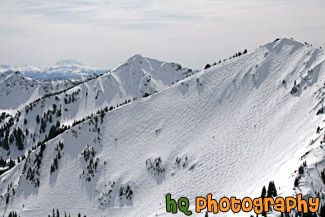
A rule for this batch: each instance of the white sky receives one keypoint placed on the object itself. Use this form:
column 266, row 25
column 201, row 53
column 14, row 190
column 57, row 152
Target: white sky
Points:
column 105, row 33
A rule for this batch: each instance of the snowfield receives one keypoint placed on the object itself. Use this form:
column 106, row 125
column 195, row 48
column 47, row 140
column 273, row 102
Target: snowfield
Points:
column 227, row 130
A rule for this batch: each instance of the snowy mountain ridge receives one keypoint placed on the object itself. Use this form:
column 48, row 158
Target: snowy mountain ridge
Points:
column 227, row 130
column 16, row 90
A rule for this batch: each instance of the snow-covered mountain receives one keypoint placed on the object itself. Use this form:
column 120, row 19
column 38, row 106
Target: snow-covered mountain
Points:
column 68, row 62
column 63, row 70
column 16, row 90
column 136, row 78
column 227, row 130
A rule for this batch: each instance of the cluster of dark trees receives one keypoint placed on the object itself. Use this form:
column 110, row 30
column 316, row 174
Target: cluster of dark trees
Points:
column 238, row 54
column 179, row 162
column 33, row 172
column 6, row 165
column 18, row 137
column 7, row 195
column 155, row 167
column 301, row 171
column 55, row 164
column 3, row 162
column 91, row 169
column 56, row 213
column 89, row 156
column 47, row 117
column 270, row 192
column 5, row 132
column 88, row 153
column 71, row 98
column 177, row 66
column 106, row 196
column 295, row 88
column 3, row 116
column 126, row 102
column 126, row 192
column 13, row 214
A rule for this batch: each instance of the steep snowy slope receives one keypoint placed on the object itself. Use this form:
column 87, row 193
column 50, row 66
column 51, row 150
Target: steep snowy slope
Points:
column 64, row 69
column 16, row 90
column 138, row 77
column 227, row 130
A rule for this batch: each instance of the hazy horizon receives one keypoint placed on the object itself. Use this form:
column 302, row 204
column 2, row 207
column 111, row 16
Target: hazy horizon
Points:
column 103, row 34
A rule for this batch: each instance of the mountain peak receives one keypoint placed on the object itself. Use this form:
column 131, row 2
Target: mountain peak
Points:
column 278, row 43
column 11, row 72
column 69, row 61
column 135, row 58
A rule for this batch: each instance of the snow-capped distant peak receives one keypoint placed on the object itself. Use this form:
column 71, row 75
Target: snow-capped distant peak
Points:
column 67, row 62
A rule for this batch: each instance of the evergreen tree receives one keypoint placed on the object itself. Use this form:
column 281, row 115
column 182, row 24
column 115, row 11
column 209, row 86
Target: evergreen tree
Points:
column 263, row 213
column 7, row 199
column 37, row 119
column 296, row 183
column 263, row 194
column 323, row 175
column 59, row 113
column 5, row 144
column 19, row 135
column 207, row 66
column 271, row 192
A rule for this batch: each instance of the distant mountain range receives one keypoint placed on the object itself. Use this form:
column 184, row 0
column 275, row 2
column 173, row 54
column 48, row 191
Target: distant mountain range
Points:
column 64, row 69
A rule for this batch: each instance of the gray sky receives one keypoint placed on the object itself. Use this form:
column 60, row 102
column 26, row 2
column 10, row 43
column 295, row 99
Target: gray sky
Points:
column 105, row 33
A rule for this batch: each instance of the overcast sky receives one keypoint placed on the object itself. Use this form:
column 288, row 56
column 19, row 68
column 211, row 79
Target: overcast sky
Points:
column 105, row 33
